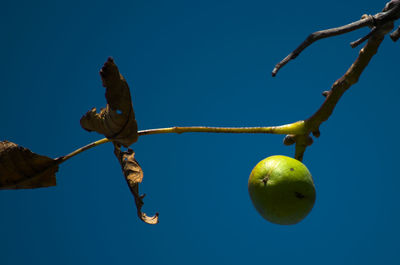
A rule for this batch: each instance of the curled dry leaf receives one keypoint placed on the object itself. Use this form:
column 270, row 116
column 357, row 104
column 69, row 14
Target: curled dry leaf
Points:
column 116, row 121
column 134, row 175
column 22, row 169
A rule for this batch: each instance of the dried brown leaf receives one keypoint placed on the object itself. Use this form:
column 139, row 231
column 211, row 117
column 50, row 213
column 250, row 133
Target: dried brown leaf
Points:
column 134, row 175
column 22, row 169
column 116, row 121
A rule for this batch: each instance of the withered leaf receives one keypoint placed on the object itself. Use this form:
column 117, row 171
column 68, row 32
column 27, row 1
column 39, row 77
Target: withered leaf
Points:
column 116, row 121
column 134, row 175
column 22, row 169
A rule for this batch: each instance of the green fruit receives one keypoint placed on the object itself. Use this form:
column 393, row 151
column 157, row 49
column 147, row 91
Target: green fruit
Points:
column 282, row 190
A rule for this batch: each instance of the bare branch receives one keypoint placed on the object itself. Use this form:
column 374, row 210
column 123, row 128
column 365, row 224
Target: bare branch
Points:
column 354, row 44
column 351, row 77
column 313, row 37
column 380, row 24
column 390, row 13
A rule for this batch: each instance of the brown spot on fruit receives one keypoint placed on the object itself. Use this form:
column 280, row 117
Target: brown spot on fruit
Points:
column 265, row 180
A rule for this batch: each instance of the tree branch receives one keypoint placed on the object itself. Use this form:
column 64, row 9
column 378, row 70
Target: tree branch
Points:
column 352, row 75
column 296, row 128
column 313, row 37
column 299, row 132
column 390, row 13
column 346, row 81
column 292, row 128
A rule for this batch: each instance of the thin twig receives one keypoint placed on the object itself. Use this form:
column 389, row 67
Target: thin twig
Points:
column 354, row 44
column 390, row 13
column 62, row 159
column 292, row 128
column 313, row 37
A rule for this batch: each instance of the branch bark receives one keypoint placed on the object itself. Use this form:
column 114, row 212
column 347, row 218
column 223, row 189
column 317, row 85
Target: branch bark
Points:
column 390, row 13
column 347, row 80
column 382, row 23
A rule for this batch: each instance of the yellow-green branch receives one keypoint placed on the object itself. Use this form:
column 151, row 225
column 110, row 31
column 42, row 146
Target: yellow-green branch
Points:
column 292, row 128
column 82, row 149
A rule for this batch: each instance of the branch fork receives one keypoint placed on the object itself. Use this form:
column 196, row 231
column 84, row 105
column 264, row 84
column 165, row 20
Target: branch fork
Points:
column 380, row 24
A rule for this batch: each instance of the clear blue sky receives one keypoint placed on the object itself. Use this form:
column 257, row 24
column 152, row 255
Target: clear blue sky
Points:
column 196, row 63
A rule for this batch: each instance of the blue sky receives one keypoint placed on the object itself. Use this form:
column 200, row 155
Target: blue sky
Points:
column 196, row 63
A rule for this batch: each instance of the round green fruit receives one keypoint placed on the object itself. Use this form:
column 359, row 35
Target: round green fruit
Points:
column 282, row 190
